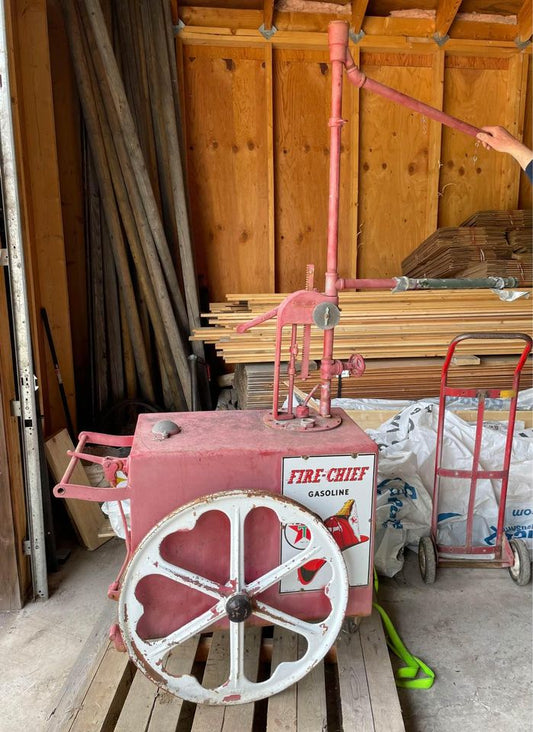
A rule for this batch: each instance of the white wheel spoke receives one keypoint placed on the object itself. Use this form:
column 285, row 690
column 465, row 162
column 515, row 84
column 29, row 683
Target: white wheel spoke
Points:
column 155, row 651
column 275, row 575
column 236, row 572
column 289, row 622
column 236, row 651
column 189, row 579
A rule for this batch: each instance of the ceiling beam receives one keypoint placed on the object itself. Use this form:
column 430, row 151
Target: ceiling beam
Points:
column 525, row 22
column 268, row 13
column 446, row 12
column 358, row 15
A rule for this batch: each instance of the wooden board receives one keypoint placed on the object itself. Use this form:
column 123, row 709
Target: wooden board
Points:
column 394, row 378
column 351, row 690
column 378, row 325
column 87, row 516
column 46, row 271
column 394, row 164
column 225, row 113
column 302, row 81
column 471, row 177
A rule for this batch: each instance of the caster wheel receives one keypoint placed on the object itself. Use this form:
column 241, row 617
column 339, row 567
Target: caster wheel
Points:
column 427, row 560
column 521, row 570
column 238, row 602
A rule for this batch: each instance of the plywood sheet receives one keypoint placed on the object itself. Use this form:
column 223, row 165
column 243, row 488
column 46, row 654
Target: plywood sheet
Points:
column 394, row 164
column 302, row 82
column 225, row 109
column 471, row 177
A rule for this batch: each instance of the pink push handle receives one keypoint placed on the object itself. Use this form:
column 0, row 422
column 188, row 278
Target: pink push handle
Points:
column 66, row 489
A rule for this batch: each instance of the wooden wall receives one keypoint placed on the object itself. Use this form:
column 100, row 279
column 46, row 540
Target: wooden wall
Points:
column 256, row 124
column 40, row 196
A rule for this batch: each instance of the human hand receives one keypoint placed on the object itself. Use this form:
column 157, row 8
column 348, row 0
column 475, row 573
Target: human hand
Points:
column 500, row 139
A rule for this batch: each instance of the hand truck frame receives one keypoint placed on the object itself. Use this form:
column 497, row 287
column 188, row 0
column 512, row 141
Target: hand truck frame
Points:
column 512, row 553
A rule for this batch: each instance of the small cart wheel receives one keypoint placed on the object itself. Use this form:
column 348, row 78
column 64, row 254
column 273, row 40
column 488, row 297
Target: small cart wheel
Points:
column 520, row 571
column 427, row 560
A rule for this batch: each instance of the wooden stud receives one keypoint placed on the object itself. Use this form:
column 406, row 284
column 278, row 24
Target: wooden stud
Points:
column 434, row 146
column 269, row 95
column 515, row 108
column 526, row 190
column 354, row 122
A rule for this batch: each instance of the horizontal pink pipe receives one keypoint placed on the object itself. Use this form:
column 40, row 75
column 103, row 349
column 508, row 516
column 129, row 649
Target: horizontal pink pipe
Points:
column 361, row 80
column 372, row 284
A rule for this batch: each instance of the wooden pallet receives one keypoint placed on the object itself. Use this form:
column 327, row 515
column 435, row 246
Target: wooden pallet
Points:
column 352, row 689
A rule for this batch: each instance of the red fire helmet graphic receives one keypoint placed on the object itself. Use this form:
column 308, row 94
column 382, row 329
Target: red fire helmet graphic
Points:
column 344, row 527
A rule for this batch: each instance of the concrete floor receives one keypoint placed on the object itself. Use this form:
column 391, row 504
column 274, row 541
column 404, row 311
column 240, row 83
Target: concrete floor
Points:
column 473, row 627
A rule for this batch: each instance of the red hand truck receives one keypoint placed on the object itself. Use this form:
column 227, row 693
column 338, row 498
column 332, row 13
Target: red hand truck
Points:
column 513, row 553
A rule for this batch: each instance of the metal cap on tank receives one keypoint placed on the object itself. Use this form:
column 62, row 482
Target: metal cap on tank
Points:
column 165, row 428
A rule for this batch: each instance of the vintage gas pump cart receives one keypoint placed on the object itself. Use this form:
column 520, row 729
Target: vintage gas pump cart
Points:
column 246, row 518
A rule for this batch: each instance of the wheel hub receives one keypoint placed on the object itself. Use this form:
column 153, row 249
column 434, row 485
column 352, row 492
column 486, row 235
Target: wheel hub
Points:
column 239, row 608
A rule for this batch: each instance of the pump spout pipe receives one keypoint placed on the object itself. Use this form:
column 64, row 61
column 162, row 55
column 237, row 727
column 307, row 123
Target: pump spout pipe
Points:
column 359, row 79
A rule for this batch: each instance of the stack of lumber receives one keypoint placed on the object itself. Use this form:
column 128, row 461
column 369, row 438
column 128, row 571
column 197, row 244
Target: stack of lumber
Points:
column 378, row 325
column 401, row 378
column 138, row 235
column 489, row 243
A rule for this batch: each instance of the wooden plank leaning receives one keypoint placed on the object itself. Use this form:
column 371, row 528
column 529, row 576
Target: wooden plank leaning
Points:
column 158, row 258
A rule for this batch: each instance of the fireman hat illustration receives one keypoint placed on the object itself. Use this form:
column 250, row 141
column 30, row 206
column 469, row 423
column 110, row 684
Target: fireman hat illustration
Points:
column 341, row 527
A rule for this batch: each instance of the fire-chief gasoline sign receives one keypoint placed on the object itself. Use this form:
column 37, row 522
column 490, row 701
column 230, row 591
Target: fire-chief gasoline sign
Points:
column 339, row 489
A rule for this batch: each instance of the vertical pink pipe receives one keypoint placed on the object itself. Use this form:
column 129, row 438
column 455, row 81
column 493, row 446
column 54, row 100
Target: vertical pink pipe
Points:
column 338, row 44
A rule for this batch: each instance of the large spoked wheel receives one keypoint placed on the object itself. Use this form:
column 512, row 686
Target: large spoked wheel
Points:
column 520, row 571
column 427, row 560
column 236, row 600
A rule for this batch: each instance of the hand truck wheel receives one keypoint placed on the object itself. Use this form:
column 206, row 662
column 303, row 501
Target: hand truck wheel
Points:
column 427, row 560
column 520, row 571
column 236, row 600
